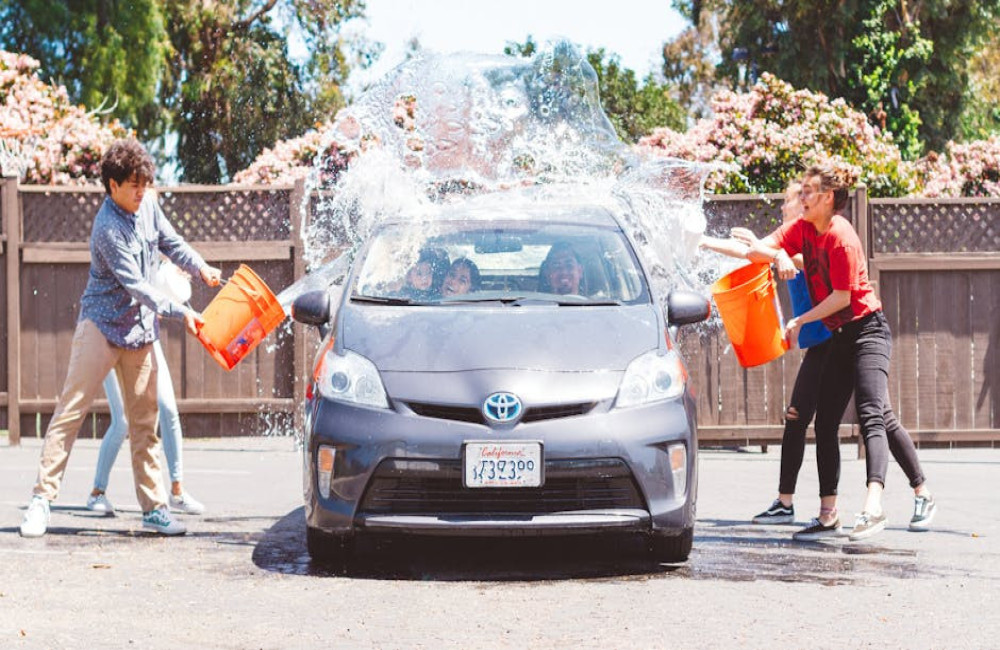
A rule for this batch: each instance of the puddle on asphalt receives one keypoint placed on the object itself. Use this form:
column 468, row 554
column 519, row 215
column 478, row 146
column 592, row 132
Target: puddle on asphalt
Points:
column 731, row 552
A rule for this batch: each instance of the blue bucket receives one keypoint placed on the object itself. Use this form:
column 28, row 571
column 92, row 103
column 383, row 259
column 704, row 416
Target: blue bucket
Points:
column 812, row 333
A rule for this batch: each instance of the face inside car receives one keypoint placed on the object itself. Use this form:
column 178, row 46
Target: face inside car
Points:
column 500, row 374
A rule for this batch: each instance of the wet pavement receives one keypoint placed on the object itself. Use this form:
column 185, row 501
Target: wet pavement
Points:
column 242, row 576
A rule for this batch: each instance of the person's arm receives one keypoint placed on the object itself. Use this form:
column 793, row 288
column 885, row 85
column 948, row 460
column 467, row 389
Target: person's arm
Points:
column 117, row 251
column 836, row 301
column 766, row 250
column 179, row 251
column 729, row 247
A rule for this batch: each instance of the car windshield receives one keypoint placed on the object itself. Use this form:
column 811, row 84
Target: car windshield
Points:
column 514, row 262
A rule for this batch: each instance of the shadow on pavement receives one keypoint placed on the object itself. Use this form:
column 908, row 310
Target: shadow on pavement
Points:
column 283, row 550
column 723, row 550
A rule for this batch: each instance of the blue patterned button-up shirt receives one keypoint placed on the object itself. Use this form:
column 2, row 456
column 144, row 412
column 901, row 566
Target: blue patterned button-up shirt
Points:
column 124, row 253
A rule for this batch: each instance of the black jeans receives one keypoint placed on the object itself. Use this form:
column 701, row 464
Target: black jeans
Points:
column 855, row 358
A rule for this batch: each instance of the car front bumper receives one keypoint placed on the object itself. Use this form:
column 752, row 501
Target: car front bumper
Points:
column 605, row 472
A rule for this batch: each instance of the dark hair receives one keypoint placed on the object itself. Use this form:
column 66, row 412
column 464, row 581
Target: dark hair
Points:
column 543, row 270
column 124, row 160
column 438, row 260
column 473, row 271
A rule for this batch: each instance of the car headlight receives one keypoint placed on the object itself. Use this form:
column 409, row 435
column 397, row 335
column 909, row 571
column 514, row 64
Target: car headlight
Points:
column 651, row 377
column 351, row 378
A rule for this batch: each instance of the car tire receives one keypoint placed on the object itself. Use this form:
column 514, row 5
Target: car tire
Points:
column 329, row 549
column 671, row 550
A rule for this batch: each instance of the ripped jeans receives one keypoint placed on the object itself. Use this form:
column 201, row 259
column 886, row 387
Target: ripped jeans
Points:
column 826, row 379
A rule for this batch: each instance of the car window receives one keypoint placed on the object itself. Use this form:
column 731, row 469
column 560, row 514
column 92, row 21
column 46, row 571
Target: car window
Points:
column 438, row 262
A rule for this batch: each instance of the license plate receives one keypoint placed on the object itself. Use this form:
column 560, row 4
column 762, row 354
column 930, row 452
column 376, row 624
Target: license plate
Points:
column 503, row 464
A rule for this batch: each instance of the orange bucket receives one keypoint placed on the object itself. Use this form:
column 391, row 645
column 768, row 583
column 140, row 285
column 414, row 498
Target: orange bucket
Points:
column 240, row 316
column 748, row 304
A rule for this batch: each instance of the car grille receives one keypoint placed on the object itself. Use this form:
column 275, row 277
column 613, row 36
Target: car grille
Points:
column 435, row 487
column 475, row 415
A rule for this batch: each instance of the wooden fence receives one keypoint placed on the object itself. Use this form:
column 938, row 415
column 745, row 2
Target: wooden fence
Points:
column 936, row 265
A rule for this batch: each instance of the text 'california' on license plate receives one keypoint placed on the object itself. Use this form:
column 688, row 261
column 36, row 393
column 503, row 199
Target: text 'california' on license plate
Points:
column 503, row 464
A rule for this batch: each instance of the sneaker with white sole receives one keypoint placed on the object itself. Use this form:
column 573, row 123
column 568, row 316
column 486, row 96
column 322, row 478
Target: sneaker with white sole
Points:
column 100, row 503
column 924, row 509
column 186, row 503
column 36, row 518
column 866, row 525
column 778, row 513
column 160, row 521
column 817, row 530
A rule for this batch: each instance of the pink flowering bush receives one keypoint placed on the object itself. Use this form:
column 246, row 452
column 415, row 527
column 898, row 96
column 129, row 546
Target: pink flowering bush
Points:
column 770, row 133
column 62, row 143
column 289, row 160
column 970, row 169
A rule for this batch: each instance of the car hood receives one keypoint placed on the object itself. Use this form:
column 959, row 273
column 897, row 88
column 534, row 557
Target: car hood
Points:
column 476, row 337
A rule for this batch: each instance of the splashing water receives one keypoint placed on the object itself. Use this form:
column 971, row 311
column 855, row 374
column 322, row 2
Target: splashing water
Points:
column 439, row 129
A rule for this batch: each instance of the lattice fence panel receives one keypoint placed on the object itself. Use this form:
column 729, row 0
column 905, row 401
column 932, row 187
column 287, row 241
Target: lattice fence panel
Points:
column 229, row 214
column 946, row 227
column 761, row 214
column 60, row 216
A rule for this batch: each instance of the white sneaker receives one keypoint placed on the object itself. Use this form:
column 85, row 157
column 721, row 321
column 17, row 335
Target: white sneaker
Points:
column 100, row 503
column 186, row 503
column 160, row 521
column 36, row 518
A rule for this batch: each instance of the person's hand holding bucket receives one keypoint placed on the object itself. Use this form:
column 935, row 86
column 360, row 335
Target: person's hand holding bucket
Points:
column 193, row 322
column 792, row 328
column 240, row 316
column 211, row 275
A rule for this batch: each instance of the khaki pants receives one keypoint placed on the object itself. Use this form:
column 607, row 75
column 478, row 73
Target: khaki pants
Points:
column 90, row 360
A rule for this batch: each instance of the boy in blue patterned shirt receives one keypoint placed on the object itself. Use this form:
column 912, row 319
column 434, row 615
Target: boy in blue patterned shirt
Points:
column 117, row 327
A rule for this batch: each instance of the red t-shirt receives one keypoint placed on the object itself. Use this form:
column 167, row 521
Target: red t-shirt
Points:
column 833, row 261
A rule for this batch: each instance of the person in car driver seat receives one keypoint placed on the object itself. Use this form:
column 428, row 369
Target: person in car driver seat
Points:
column 561, row 272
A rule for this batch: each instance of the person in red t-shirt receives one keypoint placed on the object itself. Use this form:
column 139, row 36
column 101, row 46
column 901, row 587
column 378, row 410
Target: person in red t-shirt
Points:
column 837, row 273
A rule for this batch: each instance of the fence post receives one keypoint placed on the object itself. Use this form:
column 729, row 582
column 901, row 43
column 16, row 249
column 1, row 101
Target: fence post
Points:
column 10, row 208
column 297, row 209
column 863, row 221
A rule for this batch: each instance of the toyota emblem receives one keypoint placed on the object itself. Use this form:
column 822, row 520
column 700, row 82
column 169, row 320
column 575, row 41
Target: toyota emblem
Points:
column 502, row 407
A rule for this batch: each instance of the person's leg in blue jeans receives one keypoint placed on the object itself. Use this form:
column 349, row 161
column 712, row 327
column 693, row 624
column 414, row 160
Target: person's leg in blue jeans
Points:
column 110, row 445
column 169, row 430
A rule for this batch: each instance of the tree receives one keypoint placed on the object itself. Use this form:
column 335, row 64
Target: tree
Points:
column 634, row 109
column 689, row 66
column 981, row 117
column 43, row 136
column 218, row 74
column 901, row 62
column 82, row 44
column 232, row 86
column 766, row 136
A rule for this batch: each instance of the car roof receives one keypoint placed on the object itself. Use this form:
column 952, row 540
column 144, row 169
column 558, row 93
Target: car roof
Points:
column 582, row 205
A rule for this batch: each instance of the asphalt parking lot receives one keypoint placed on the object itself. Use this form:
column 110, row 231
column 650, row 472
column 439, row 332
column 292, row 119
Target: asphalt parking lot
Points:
column 241, row 578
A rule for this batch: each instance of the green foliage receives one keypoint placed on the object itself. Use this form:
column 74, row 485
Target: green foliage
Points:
column 218, row 74
column 903, row 63
column 83, row 45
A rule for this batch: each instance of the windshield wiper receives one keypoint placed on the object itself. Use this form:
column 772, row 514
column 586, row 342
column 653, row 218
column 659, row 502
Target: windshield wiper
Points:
column 590, row 303
column 384, row 300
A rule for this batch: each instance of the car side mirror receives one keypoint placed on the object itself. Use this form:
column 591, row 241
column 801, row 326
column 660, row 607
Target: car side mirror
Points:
column 687, row 307
column 312, row 308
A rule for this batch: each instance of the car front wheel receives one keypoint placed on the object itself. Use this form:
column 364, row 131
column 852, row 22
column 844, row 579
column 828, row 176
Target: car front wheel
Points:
column 326, row 548
column 673, row 549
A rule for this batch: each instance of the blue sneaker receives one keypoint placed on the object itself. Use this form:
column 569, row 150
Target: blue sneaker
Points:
column 160, row 521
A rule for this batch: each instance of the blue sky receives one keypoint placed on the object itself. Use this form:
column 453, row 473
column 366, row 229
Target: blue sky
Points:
column 633, row 29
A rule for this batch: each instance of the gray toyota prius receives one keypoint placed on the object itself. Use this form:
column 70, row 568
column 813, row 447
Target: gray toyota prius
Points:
column 500, row 367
